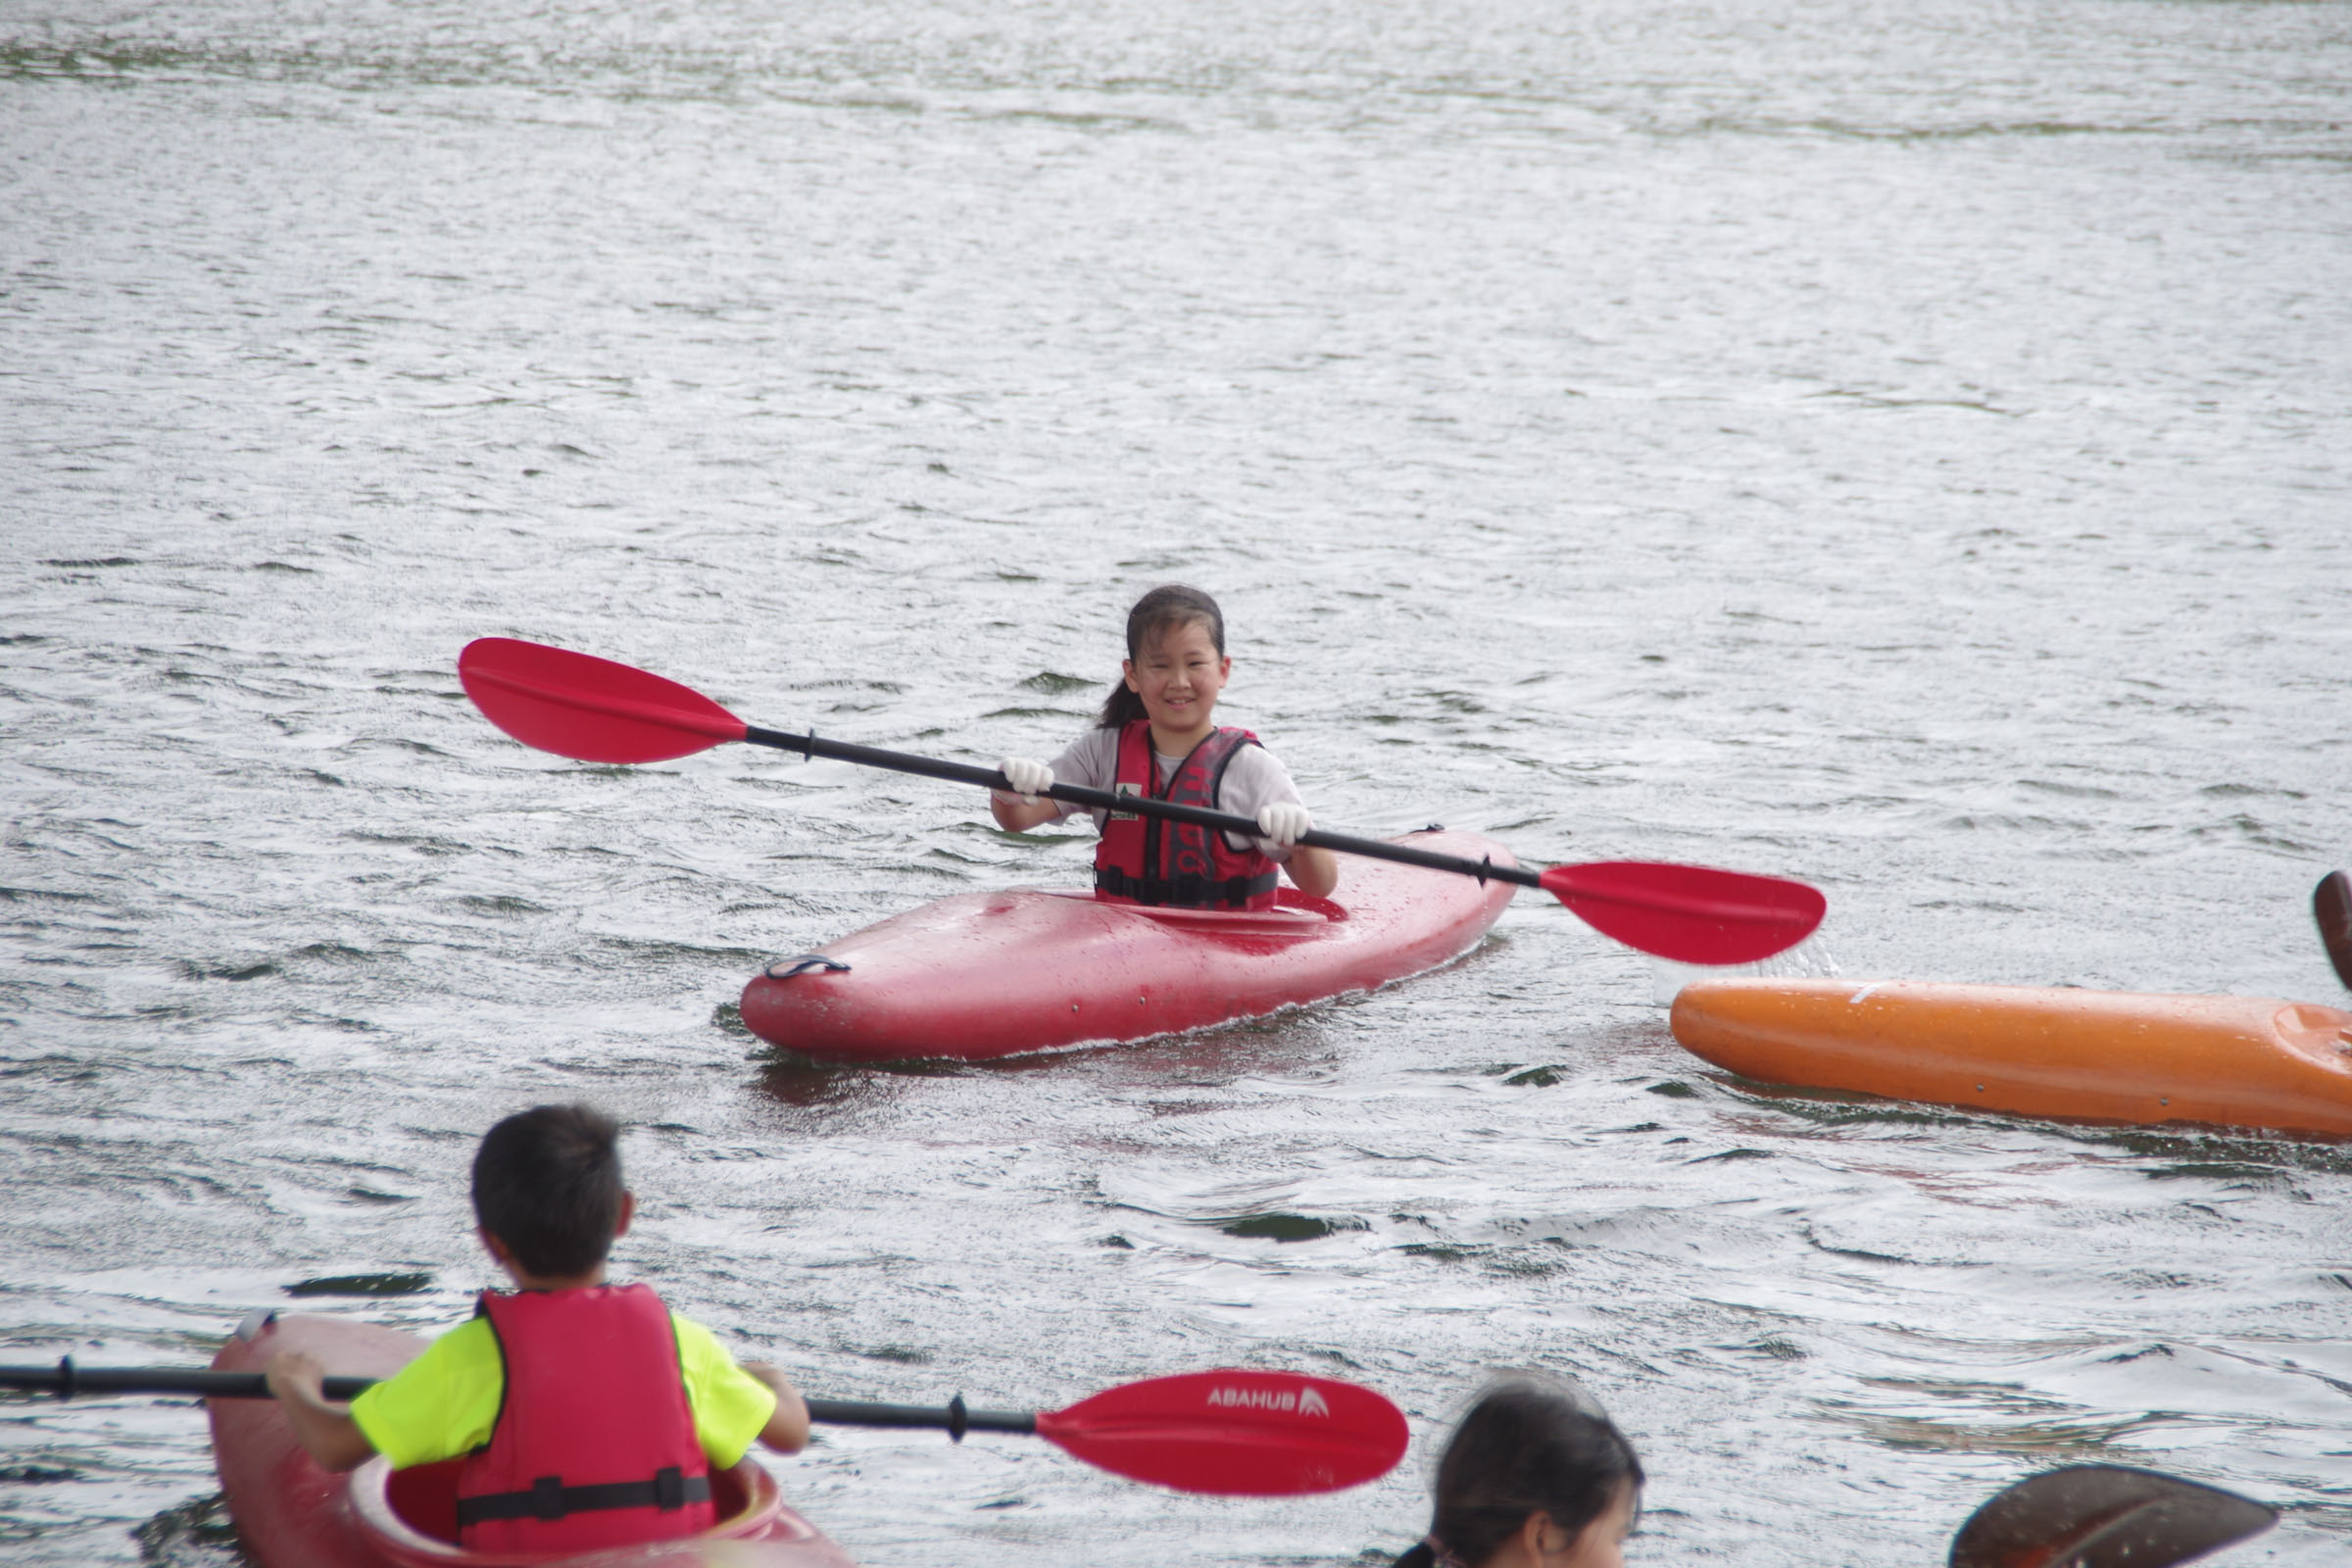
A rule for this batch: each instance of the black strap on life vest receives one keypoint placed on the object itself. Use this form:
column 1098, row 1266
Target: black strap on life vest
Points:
column 549, row 1498
column 1194, row 892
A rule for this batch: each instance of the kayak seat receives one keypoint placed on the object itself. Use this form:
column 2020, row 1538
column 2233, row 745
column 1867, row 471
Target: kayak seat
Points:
column 410, row 1516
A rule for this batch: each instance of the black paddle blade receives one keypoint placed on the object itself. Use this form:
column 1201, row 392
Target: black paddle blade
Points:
column 2105, row 1516
column 2331, row 906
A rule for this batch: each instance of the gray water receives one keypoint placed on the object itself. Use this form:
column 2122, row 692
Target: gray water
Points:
column 1903, row 447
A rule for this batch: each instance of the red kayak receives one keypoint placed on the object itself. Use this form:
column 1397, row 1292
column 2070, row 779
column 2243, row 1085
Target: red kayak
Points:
column 292, row 1514
column 995, row 974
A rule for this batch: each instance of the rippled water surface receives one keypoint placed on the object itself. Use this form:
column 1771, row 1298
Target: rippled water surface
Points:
column 1901, row 446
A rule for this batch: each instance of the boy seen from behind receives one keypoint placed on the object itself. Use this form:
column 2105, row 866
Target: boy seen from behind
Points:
column 588, row 1414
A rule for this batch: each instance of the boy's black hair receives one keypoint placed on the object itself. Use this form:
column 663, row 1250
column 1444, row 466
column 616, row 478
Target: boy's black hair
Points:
column 547, row 1183
column 1162, row 609
column 1529, row 1444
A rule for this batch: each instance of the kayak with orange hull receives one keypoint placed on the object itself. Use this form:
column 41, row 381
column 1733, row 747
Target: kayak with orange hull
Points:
column 290, row 1513
column 995, row 974
column 2097, row 1055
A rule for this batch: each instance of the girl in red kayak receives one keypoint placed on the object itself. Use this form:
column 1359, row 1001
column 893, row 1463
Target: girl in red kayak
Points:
column 1158, row 736
column 1535, row 1477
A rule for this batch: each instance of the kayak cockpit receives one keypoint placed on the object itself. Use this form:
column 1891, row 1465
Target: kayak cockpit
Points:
column 1295, row 914
column 410, row 1516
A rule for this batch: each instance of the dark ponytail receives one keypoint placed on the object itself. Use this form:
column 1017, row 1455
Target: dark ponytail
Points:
column 1161, row 610
column 1529, row 1445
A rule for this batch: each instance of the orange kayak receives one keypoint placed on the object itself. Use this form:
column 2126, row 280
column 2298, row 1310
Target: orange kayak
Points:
column 2096, row 1056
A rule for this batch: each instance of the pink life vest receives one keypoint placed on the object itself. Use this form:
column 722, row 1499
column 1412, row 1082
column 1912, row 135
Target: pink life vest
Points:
column 1148, row 859
column 594, row 1445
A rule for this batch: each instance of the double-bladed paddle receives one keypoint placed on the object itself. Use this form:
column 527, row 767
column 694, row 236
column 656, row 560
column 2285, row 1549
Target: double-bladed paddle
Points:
column 1273, row 1434
column 2105, row 1516
column 595, row 710
column 1233, row 1433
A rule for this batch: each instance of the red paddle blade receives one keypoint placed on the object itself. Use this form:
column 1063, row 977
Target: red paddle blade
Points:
column 1689, row 913
column 1241, row 1434
column 578, row 705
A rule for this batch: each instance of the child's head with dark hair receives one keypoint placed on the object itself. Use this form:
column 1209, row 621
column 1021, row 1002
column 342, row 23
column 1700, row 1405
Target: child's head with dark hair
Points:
column 547, row 1185
column 1154, row 615
column 1532, row 1446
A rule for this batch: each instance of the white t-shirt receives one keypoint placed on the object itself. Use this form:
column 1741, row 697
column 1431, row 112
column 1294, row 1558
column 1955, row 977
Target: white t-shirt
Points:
column 1253, row 780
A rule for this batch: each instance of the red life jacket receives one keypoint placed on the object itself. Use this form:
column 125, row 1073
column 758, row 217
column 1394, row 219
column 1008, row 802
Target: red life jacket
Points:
column 594, row 1445
column 1148, row 859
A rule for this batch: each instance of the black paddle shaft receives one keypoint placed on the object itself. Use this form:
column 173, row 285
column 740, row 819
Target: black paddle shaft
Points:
column 954, row 1419
column 1141, row 804
column 66, row 1380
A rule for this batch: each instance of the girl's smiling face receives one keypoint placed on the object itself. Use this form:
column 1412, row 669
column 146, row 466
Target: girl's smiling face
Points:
column 1178, row 678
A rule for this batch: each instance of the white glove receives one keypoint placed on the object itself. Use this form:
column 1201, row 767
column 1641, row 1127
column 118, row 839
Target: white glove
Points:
column 1030, row 779
column 1283, row 821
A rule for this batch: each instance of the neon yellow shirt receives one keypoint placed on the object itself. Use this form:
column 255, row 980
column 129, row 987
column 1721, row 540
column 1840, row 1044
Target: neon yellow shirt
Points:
column 443, row 1403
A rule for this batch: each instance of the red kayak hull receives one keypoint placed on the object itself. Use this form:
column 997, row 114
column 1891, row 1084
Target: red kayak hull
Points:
column 997, row 974
column 290, row 1513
